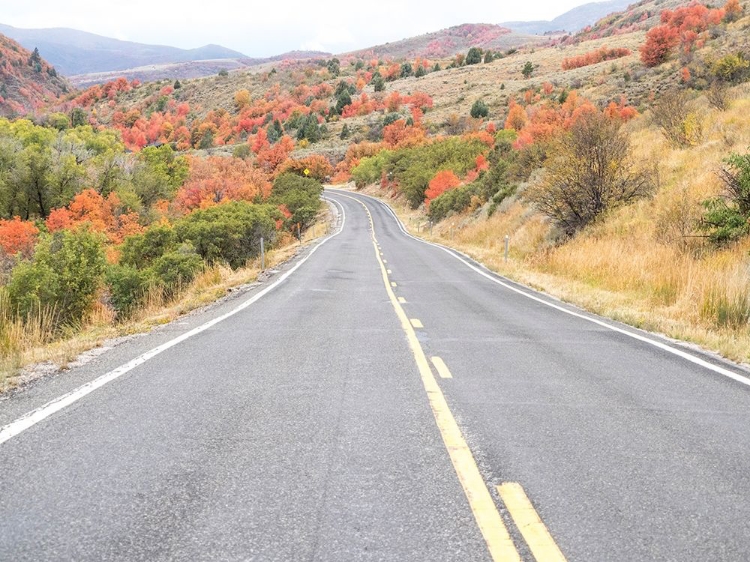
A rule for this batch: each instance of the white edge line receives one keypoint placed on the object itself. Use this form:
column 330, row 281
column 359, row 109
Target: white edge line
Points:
column 679, row 353
column 35, row 416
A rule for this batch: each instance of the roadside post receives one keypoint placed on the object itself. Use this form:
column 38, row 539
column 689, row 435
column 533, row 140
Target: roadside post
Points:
column 262, row 255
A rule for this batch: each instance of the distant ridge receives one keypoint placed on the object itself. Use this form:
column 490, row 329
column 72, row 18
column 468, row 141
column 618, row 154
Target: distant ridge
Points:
column 571, row 21
column 448, row 42
column 74, row 52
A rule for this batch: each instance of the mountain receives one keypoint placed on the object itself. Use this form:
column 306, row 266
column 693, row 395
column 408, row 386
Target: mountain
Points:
column 448, row 42
column 74, row 52
column 27, row 81
column 190, row 69
column 571, row 21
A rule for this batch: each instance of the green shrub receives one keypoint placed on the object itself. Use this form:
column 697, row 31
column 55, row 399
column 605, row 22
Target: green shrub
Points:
column 300, row 195
column 175, row 270
column 141, row 250
column 127, row 288
column 229, row 232
column 479, row 109
column 728, row 217
column 64, row 274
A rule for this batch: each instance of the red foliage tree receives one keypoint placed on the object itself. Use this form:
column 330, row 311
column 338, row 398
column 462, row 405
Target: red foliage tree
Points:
column 442, row 182
column 660, row 41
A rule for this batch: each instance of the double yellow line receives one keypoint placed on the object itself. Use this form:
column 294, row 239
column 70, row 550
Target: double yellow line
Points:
column 486, row 514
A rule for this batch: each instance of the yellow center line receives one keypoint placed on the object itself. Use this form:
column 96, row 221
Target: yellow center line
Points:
column 482, row 505
column 402, row 300
column 393, row 284
column 390, row 272
column 534, row 532
column 417, row 323
column 441, row 367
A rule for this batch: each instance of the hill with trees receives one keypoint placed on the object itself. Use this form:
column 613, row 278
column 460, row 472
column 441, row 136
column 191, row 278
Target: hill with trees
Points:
column 27, row 81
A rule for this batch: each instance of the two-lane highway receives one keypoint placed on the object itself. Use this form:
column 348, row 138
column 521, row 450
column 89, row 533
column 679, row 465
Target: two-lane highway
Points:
column 368, row 407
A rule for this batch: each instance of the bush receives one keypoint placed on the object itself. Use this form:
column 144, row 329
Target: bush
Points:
column 672, row 115
column 141, row 250
column 229, row 232
column 64, row 275
column 175, row 269
column 474, row 56
column 732, row 68
column 728, row 217
column 479, row 109
column 127, row 288
column 590, row 172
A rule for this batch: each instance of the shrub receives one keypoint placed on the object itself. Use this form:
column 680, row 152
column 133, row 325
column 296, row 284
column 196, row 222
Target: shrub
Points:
column 672, row 115
column 229, row 232
column 732, row 68
column 479, row 109
column 141, row 250
column 728, row 217
column 474, row 56
column 175, row 269
column 660, row 41
column 127, row 288
column 591, row 171
column 64, row 275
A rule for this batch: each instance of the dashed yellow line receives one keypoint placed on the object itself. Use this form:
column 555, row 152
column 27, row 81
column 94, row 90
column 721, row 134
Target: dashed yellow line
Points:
column 441, row 367
column 417, row 323
column 534, row 532
column 390, row 272
column 402, row 300
column 393, row 284
column 483, row 507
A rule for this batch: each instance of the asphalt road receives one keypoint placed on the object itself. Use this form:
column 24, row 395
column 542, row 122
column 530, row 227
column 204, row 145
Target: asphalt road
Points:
column 305, row 427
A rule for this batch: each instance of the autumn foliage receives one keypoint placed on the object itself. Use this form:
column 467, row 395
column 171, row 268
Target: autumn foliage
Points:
column 684, row 26
column 17, row 236
column 442, row 182
column 215, row 179
column 594, row 57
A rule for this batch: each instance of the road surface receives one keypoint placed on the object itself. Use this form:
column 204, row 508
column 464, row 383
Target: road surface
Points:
column 381, row 399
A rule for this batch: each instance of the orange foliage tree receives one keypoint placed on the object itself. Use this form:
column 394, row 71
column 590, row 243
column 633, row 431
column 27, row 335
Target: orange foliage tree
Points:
column 106, row 215
column 317, row 167
column 216, row 179
column 17, row 236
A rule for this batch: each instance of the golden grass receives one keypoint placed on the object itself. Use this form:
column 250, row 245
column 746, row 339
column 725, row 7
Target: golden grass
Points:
column 35, row 341
column 644, row 264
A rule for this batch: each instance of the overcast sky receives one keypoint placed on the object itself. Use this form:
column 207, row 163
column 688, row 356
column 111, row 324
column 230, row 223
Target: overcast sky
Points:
column 266, row 28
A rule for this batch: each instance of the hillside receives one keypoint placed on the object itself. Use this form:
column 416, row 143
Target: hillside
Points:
column 571, row 21
column 75, row 52
column 190, row 69
column 27, row 81
column 448, row 42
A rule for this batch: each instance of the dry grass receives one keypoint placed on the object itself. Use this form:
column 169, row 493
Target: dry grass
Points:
column 644, row 264
column 35, row 341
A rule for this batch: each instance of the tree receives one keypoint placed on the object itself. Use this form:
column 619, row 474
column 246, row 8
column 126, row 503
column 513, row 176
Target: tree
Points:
column 177, row 85
column 420, row 71
column 660, row 41
column 528, row 69
column 590, row 171
column 474, row 56
column 344, row 132
column 378, row 83
column 440, row 183
column 479, row 109
column 223, row 73
column 406, row 69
